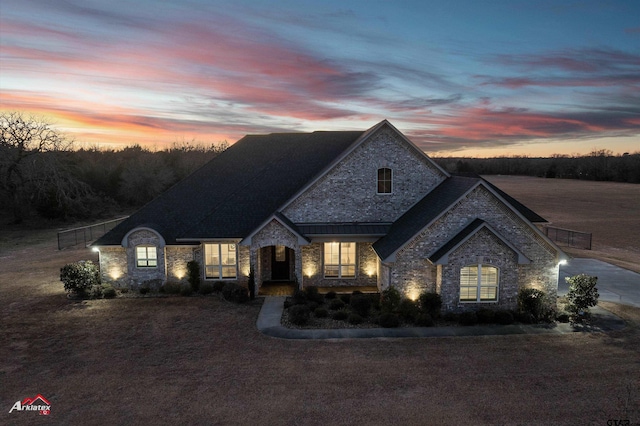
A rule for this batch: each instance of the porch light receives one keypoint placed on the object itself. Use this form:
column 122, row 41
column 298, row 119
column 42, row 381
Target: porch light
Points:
column 562, row 262
column 95, row 249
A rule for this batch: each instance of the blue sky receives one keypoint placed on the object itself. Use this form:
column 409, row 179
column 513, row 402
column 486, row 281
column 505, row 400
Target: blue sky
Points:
column 479, row 78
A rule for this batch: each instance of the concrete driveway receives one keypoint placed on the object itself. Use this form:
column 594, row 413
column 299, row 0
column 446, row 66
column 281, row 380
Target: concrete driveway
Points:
column 615, row 284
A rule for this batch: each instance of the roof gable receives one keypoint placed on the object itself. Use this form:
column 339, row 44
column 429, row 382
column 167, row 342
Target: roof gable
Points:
column 441, row 255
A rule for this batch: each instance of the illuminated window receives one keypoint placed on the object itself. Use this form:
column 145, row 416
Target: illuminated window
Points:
column 384, row 181
column 146, row 257
column 339, row 260
column 479, row 283
column 220, row 261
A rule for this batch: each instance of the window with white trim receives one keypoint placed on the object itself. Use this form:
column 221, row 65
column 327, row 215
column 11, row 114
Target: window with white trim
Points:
column 146, row 257
column 220, row 261
column 479, row 283
column 340, row 260
column 384, row 180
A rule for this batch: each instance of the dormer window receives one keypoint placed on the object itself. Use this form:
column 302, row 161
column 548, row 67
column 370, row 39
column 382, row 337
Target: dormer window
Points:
column 384, row 181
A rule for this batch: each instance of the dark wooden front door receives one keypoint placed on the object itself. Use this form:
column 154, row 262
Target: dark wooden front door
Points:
column 280, row 263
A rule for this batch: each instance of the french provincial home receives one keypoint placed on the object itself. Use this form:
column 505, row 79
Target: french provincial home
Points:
column 329, row 209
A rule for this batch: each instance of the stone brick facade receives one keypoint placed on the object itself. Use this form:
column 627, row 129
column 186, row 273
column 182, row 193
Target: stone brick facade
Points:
column 348, row 193
column 313, row 271
column 412, row 271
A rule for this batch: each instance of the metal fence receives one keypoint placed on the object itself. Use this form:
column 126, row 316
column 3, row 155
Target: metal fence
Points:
column 576, row 239
column 85, row 234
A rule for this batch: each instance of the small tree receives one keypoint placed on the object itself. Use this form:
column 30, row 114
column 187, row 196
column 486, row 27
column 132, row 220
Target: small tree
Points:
column 582, row 295
column 252, row 284
column 193, row 275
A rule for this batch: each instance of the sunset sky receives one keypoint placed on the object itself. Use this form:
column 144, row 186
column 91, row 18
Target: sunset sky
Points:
column 458, row 77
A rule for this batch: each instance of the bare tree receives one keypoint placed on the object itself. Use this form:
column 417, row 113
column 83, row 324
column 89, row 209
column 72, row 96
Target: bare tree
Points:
column 30, row 164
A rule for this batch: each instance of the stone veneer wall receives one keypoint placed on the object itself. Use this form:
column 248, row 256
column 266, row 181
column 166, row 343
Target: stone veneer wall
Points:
column 177, row 258
column 482, row 248
column 366, row 267
column 113, row 266
column 480, row 203
column 349, row 192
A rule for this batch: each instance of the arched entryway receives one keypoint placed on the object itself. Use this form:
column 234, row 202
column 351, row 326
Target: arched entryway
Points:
column 277, row 269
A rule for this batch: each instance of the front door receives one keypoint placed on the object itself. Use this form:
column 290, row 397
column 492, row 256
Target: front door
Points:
column 280, row 263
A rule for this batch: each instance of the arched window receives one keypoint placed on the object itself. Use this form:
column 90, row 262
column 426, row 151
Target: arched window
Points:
column 479, row 283
column 146, row 257
column 384, row 181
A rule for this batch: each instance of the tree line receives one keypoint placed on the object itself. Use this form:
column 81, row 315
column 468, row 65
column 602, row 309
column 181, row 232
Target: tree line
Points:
column 599, row 165
column 42, row 175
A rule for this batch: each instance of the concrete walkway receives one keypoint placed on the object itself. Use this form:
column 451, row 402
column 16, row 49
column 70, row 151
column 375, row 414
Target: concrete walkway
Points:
column 615, row 284
column 269, row 323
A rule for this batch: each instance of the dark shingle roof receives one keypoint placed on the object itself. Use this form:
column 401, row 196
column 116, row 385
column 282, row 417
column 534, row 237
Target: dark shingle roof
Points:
column 422, row 213
column 373, row 229
column 240, row 188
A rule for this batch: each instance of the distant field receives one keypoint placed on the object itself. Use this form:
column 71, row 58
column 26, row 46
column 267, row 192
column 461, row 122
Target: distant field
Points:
column 608, row 210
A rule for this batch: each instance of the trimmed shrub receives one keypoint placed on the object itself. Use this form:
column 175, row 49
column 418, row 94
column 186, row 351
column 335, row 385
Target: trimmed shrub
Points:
column 299, row 314
column 408, row 310
column 109, row 292
column 235, row 293
column 375, row 301
column 321, row 313
column 582, row 295
column 390, row 299
column 451, row 317
column 424, row 320
column 389, row 320
column 532, row 301
column 503, row 317
column 336, row 304
column 355, row 319
column 171, row 288
column 431, row 303
column 468, row 318
column 186, row 290
column 206, row 288
column 312, row 305
column 563, row 317
column 313, row 295
column 346, row 298
column 330, row 295
column 288, row 303
column 361, row 304
column 79, row 277
column 193, row 274
column 218, row 286
column 144, row 290
column 340, row 315
column 95, row 292
column 486, row 316
column 299, row 297
column 252, row 284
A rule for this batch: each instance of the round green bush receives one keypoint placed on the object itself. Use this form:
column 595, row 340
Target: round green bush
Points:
column 504, row 317
column 408, row 310
column 79, row 277
column 336, row 304
column 340, row 315
column 109, row 292
column 390, row 299
column 218, row 286
column 235, row 293
column 361, row 304
column 389, row 320
column 299, row 297
column 424, row 320
column 144, row 290
column 430, row 303
column 299, row 314
column 346, row 298
column 486, row 316
column 206, row 288
column 171, row 288
column 468, row 318
column 313, row 295
column 321, row 313
column 312, row 305
column 355, row 319
column 186, row 290
column 330, row 295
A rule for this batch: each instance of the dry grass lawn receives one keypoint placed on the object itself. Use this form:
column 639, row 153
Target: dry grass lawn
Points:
column 201, row 360
column 608, row 210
